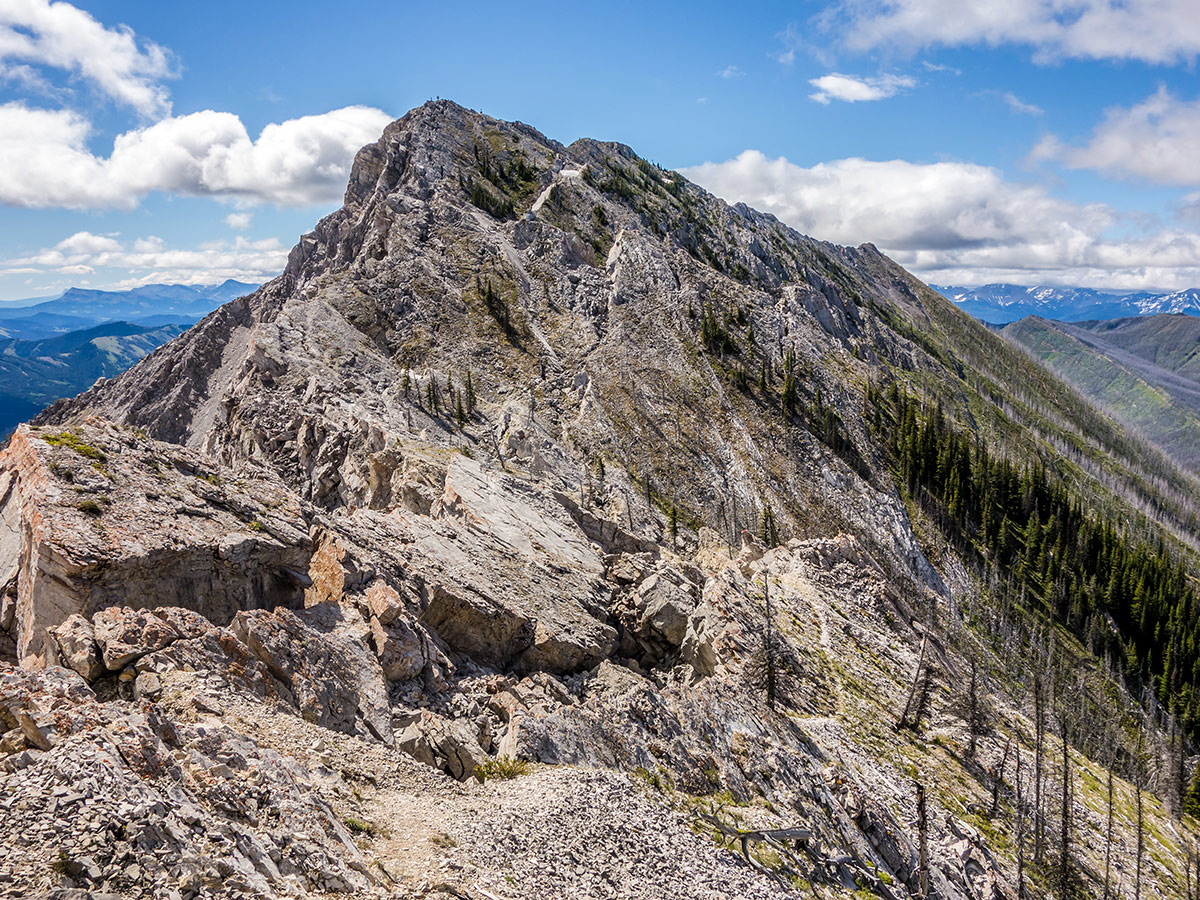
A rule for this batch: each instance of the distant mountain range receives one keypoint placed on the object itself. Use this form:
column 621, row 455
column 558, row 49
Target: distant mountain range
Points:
column 1144, row 371
column 151, row 305
column 56, row 347
column 33, row 374
column 1004, row 303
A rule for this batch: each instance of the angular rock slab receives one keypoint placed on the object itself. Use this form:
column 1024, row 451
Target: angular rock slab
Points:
column 504, row 574
column 97, row 516
column 320, row 655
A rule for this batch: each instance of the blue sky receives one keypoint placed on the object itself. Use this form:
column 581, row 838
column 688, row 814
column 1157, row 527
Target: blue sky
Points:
column 1036, row 141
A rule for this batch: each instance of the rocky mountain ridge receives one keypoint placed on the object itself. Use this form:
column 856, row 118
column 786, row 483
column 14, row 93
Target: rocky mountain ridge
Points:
column 476, row 486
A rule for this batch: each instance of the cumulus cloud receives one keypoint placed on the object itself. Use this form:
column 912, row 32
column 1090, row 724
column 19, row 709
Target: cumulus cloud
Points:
column 149, row 259
column 1155, row 140
column 45, row 160
column 957, row 222
column 239, row 221
column 115, row 61
column 1153, row 31
column 852, row 89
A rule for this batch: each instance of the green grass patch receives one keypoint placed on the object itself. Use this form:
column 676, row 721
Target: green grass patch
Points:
column 93, row 506
column 502, row 767
column 74, row 442
column 358, row 826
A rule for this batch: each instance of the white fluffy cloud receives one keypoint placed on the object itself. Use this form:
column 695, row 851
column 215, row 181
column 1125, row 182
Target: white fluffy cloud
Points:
column 60, row 36
column 1154, row 31
column 1155, row 140
column 957, row 222
column 45, row 160
column 851, row 89
column 149, row 260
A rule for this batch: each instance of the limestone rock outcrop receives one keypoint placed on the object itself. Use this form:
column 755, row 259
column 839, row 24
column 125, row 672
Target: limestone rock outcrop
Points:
column 97, row 516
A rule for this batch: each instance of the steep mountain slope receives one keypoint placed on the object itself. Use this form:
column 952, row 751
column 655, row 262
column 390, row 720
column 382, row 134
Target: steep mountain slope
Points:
column 1171, row 342
column 1004, row 303
column 1115, row 365
column 36, row 373
column 479, row 476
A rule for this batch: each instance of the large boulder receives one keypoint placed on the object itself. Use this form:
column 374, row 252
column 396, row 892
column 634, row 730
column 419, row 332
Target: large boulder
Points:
column 403, row 651
column 126, row 635
column 320, row 655
column 75, row 642
column 665, row 602
column 503, row 575
column 451, row 745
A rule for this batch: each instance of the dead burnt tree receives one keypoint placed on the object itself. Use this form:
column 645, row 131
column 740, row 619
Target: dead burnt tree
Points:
column 922, row 844
column 1039, row 725
column 976, row 719
column 1066, row 878
column 917, row 704
column 785, row 842
column 1108, row 832
column 772, row 668
column 1141, row 837
column 997, row 776
column 1020, row 829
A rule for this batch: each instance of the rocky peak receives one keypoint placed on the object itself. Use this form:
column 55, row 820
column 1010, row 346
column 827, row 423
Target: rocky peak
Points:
column 479, row 479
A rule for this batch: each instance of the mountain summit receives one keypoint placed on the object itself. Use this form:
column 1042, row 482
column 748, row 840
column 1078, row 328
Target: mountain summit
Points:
column 729, row 562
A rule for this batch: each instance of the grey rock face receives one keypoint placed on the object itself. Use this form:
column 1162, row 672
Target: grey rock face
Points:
column 99, row 516
column 319, row 655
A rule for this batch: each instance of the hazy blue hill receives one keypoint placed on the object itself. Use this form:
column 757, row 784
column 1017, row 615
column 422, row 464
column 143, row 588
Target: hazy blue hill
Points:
column 1169, row 341
column 1004, row 303
column 34, row 374
column 153, row 304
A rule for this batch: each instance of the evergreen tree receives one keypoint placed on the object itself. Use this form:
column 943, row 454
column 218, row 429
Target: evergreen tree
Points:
column 1191, row 797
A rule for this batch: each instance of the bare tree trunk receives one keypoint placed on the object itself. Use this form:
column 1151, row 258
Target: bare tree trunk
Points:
column 768, row 649
column 972, row 710
column 1108, row 837
column 1020, row 830
column 998, row 777
column 1137, row 884
column 1179, row 786
column 1064, row 873
column 1039, row 716
column 922, row 844
column 912, row 691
